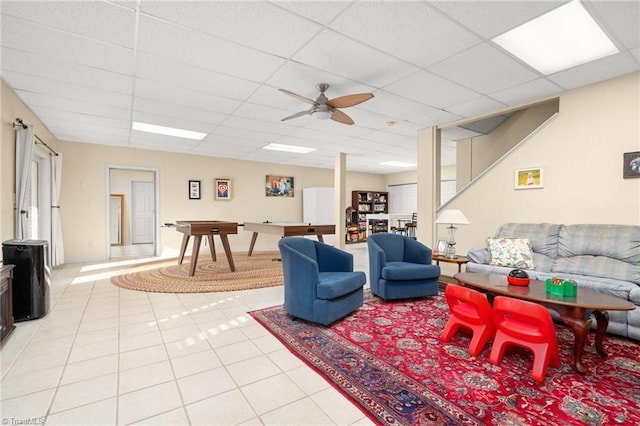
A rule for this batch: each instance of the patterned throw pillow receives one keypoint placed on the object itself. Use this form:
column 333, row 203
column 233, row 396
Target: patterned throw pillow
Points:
column 511, row 252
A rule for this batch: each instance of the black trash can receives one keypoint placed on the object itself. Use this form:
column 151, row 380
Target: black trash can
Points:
column 31, row 286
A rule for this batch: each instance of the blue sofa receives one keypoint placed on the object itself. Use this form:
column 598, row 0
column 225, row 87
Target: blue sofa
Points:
column 400, row 267
column 602, row 258
column 319, row 282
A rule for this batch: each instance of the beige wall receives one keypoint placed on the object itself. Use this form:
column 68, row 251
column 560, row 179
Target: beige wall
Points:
column 581, row 152
column 84, row 195
column 12, row 108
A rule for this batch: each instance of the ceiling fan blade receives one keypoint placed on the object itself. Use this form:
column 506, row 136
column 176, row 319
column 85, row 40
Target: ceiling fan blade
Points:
column 296, row 115
column 299, row 97
column 341, row 117
column 349, row 100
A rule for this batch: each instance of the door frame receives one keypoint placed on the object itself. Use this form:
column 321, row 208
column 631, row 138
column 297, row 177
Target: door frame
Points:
column 156, row 194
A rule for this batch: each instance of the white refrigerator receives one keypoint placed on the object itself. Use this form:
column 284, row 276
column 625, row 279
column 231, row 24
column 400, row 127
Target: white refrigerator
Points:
column 317, row 209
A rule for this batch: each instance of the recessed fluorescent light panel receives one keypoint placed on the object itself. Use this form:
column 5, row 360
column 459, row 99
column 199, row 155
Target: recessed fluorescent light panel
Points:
column 168, row 131
column 288, row 148
column 560, row 39
column 397, row 164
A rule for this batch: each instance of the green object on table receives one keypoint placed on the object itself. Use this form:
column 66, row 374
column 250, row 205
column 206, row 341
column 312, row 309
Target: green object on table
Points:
column 567, row 288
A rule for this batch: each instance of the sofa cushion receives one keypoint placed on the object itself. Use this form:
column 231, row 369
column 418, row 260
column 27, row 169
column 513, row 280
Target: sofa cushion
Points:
column 513, row 252
column 543, row 238
column 405, row 271
column 607, row 251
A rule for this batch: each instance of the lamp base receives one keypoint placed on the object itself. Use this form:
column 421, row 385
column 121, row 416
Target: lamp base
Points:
column 450, row 252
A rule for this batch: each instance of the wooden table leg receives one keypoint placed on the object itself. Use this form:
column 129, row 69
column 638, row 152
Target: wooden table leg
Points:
column 227, row 251
column 320, row 238
column 183, row 248
column 194, row 254
column 576, row 320
column 212, row 248
column 254, row 237
column 602, row 322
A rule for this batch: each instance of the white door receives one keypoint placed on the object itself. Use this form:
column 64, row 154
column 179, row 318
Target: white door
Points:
column 142, row 212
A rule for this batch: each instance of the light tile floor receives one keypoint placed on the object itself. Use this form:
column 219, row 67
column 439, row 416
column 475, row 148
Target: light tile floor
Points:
column 110, row 356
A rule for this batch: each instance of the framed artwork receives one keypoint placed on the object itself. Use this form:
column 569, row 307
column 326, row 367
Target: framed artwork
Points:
column 631, row 165
column 222, row 189
column 279, row 186
column 194, row 189
column 529, row 178
column 441, row 246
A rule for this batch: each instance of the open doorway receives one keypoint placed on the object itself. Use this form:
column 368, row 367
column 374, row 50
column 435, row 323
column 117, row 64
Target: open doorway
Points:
column 133, row 213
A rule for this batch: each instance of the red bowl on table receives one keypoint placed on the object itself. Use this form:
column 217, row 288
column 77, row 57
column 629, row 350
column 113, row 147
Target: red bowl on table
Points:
column 518, row 281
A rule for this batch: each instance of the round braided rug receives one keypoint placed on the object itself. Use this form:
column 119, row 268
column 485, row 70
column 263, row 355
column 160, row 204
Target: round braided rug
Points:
column 261, row 269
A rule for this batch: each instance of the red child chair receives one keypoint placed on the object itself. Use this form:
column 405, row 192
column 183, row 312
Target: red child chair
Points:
column 525, row 324
column 469, row 309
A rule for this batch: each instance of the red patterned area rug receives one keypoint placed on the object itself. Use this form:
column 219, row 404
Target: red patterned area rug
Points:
column 387, row 357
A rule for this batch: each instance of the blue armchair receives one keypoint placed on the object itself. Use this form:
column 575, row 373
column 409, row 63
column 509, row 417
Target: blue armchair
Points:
column 400, row 267
column 319, row 282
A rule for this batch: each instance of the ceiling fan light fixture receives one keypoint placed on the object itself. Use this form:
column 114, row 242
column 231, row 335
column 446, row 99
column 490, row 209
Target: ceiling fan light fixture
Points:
column 322, row 114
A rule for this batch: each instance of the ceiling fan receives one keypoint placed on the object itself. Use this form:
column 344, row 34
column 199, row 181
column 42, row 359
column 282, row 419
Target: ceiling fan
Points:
column 324, row 108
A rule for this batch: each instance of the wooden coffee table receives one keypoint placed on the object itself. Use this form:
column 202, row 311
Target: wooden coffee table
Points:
column 574, row 311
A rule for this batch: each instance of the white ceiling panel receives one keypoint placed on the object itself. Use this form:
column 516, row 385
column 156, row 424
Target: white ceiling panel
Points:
column 70, row 105
column 260, row 25
column 492, row 69
column 22, row 35
column 96, row 20
column 87, row 68
column 64, row 90
column 196, row 48
column 431, row 90
column 399, row 29
column 180, row 96
column 333, row 52
column 172, row 73
column 53, row 69
column 177, row 112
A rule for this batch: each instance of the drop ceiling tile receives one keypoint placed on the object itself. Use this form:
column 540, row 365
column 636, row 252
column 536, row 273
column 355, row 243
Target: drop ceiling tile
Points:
column 484, row 68
column 412, row 31
column 593, row 72
column 394, row 141
column 101, row 21
column 208, row 52
column 457, row 133
column 79, row 117
column 173, row 73
column 265, row 113
column 478, row 106
column 64, row 90
column 490, row 18
column 437, row 119
column 405, row 128
column 242, row 134
column 178, row 112
column 220, row 139
column 225, row 151
column 314, row 135
column 322, row 12
column 172, row 121
column 258, row 125
column 390, row 104
column 25, row 36
column 180, row 96
column 86, row 131
column 527, row 92
column 270, row 96
column 338, row 54
column 70, row 105
column 430, row 89
column 259, row 25
column 160, row 142
column 619, row 19
column 50, row 68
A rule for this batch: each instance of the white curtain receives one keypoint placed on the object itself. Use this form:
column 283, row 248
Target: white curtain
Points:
column 57, row 247
column 25, row 141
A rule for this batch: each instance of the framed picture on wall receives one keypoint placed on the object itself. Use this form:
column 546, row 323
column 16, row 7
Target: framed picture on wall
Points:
column 279, row 186
column 222, row 189
column 631, row 165
column 529, row 178
column 194, row 189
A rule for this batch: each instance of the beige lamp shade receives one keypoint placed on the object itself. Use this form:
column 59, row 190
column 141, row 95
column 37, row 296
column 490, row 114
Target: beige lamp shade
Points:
column 452, row 217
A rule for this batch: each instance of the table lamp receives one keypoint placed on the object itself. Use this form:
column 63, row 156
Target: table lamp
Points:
column 452, row 217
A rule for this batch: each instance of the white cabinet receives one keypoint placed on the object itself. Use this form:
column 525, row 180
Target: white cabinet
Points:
column 317, row 209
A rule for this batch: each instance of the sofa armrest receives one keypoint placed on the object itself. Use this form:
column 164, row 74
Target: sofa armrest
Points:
column 479, row 255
